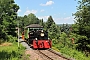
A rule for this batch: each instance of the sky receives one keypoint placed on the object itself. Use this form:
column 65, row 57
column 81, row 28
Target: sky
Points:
column 60, row 10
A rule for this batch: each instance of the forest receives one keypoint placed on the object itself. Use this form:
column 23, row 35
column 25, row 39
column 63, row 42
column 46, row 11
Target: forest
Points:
column 69, row 39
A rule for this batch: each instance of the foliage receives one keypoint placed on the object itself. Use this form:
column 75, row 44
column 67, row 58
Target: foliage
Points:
column 49, row 22
column 61, row 36
column 41, row 22
column 11, row 38
column 11, row 52
column 79, row 32
column 27, row 20
column 53, row 31
column 67, row 48
column 52, row 28
column 1, row 41
column 82, row 25
column 74, row 54
column 8, row 16
column 20, row 22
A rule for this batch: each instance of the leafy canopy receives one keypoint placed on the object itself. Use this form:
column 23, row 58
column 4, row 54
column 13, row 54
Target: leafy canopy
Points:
column 8, row 16
column 82, row 25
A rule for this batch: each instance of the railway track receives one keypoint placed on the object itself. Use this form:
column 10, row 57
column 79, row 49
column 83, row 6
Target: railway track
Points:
column 45, row 55
column 51, row 55
column 48, row 54
column 58, row 54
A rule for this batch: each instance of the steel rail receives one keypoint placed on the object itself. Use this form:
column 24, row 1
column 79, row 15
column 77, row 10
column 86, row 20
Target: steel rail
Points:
column 58, row 54
column 45, row 55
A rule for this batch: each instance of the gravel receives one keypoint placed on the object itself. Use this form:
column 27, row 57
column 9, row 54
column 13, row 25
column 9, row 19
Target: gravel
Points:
column 25, row 44
column 32, row 55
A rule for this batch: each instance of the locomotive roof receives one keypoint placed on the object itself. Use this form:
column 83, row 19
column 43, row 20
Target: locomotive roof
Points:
column 34, row 26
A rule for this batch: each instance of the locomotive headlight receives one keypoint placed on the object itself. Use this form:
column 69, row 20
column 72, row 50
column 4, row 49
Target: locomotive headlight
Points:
column 42, row 34
column 35, row 38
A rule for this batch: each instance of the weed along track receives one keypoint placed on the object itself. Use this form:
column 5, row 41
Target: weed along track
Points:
column 51, row 55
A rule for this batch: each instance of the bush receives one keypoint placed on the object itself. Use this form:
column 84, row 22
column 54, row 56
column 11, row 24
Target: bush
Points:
column 74, row 53
column 11, row 52
column 1, row 41
column 11, row 38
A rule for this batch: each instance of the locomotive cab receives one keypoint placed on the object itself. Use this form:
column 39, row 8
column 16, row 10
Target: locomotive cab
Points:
column 41, row 35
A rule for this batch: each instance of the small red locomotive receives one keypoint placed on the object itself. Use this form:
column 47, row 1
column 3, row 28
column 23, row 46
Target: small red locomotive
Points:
column 37, row 37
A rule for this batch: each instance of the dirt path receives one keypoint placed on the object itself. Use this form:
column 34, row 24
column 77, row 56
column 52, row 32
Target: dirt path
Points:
column 32, row 55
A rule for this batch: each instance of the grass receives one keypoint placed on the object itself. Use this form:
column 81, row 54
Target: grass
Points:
column 78, row 55
column 71, row 53
column 25, row 57
column 11, row 52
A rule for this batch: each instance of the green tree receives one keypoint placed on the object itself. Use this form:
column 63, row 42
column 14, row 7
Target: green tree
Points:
column 65, row 28
column 49, row 22
column 41, row 22
column 23, row 21
column 82, row 25
column 32, row 19
column 53, row 29
column 8, row 16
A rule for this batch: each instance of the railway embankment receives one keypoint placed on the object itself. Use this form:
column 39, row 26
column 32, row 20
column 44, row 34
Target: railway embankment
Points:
column 42, row 54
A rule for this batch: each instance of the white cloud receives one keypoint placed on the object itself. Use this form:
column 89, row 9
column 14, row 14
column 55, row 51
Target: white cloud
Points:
column 62, row 20
column 30, row 11
column 43, row 17
column 18, row 11
column 67, row 18
column 48, row 3
column 42, row 10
